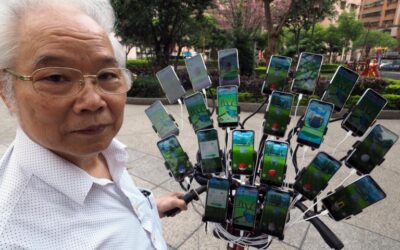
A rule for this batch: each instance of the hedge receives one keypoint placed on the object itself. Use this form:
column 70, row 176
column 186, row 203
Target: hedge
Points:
column 146, row 86
column 393, row 89
column 329, row 68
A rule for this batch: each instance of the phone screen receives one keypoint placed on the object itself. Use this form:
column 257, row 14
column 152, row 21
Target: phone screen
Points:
column 340, row 87
column 242, row 152
column 316, row 176
column 315, row 122
column 176, row 159
column 273, row 218
column 365, row 112
column 227, row 106
column 370, row 152
column 274, row 163
column 228, row 65
column 209, row 151
column 245, row 207
column 161, row 120
column 170, row 83
column 353, row 198
column 198, row 112
column 307, row 73
column 278, row 113
column 277, row 74
column 197, row 71
column 217, row 200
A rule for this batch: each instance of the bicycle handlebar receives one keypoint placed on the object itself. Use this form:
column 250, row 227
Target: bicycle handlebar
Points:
column 188, row 197
column 329, row 237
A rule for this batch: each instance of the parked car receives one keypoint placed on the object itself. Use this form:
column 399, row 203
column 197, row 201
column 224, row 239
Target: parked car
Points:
column 389, row 65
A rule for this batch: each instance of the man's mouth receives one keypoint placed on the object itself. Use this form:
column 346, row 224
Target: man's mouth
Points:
column 92, row 130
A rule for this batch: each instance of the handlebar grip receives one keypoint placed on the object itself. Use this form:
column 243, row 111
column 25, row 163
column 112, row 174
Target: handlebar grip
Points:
column 329, row 237
column 188, row 197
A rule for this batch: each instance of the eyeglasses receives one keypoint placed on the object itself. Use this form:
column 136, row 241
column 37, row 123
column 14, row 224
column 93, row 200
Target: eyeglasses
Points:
column 64, row 82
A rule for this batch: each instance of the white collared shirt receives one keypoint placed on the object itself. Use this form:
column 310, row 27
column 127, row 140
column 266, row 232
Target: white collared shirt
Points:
column 47, row 202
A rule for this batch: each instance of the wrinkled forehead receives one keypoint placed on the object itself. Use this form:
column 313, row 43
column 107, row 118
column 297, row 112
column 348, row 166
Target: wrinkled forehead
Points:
column 57, row 32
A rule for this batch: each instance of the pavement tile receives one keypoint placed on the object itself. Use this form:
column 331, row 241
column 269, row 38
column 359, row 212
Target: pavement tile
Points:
column 150, row 169
column 376, row 228
column 177, row 229
column 139, row 182
column 352, row 237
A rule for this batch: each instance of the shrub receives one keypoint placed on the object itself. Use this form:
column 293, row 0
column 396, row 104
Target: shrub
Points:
column 146, row 86
column 140, row 67
column 392, row 81
column 376, row 84
column 393, row 89
column 261, row 71
column 393, row 101
column 329, row 68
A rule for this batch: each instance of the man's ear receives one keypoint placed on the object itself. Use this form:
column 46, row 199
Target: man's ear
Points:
column 10, row 105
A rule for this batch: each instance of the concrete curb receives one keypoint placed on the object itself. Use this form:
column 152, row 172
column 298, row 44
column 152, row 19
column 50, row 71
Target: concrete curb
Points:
column 251, row 107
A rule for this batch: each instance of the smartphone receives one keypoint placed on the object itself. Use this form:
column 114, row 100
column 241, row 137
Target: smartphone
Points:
column 315, row 177
column 370, row 152
column 340, row 87
column 245, row 207
column 352, row 199
column 274, row 162
column 364, row 112
column 198, row 113
column 277, row 74
column 161, row 120
column 175, row 158
column 227, row 113
column 243, row 152
column 307, row 72
column 274, row 213
column 216, row 200
column 277, row 115
column 315, row 123
column 170, row 84
column 228, row 67
column 197, row 72
column 209, row 150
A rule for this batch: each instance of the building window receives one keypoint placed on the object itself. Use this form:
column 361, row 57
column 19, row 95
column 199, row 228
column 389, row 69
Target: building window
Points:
column 374, row 4
column 392, row 1
column 372, row 14
column 390, row 12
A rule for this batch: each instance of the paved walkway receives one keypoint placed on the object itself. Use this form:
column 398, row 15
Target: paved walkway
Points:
column 377, row 228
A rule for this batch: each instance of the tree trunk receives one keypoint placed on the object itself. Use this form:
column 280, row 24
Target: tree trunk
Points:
column 177, row 56
column 272, row 47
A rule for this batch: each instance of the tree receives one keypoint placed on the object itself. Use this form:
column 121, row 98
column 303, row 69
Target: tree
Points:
column 374, row 38
column 334, row 40
column 208, row 36
column 349, row 28
column 159, row 24
column 294, row 14
column 305, row 14
column 276, row 13
column 242, row 19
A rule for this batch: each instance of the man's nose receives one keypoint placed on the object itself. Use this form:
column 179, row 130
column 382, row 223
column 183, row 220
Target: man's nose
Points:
column 90, row 98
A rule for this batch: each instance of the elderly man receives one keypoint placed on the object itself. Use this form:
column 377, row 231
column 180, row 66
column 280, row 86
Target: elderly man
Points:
column 63, row 181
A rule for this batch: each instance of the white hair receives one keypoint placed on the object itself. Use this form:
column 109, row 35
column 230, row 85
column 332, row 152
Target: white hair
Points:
column 11, row 11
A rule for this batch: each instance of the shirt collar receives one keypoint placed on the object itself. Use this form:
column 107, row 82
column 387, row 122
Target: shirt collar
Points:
column 61, row 174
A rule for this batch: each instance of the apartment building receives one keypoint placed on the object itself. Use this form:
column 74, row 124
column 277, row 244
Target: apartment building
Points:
column 383, row 15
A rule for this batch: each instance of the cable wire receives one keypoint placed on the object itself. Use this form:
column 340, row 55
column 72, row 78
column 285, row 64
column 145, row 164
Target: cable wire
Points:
column 255, row 112
column 341, row 142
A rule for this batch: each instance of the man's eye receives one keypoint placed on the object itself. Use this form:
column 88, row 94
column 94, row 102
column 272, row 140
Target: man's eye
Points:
column 106, row 76
column 55, row 78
